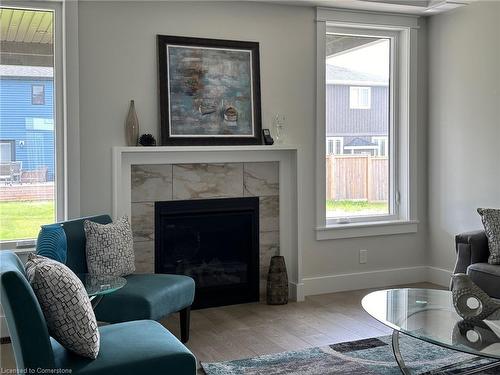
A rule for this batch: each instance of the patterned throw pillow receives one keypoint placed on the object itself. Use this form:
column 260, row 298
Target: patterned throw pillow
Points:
column 110, row 248
column 65, row 305
column 491, row 222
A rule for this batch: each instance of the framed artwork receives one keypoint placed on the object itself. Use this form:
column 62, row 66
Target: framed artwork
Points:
column 209, row 91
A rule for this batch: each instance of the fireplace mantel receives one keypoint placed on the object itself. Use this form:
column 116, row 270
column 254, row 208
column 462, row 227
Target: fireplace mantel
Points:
column 289, row 206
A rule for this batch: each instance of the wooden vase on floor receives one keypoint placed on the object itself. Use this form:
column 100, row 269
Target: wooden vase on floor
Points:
column 277, row 282
column 132, row 126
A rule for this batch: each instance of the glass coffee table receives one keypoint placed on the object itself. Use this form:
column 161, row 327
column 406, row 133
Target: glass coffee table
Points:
column 429, row 315
column 97, row 286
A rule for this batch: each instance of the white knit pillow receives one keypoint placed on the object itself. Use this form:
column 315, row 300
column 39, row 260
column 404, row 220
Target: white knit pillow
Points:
column 65, row 305
column 110, row 248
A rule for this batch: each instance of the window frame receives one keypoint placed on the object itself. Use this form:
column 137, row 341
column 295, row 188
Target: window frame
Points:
column 359, row 89
column 404, row 100
column 393, row 213
column 60, row 110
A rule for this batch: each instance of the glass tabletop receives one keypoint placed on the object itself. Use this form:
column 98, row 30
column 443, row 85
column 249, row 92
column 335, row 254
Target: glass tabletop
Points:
column 429, row 315
column 101, row 284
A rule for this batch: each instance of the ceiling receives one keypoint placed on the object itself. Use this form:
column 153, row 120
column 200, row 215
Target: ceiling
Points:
column 26, row 26
column 417, row 7
column 31, row 26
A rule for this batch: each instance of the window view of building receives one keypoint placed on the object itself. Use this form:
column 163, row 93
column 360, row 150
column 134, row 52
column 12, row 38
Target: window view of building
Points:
column 357, row 126
column 27, row 125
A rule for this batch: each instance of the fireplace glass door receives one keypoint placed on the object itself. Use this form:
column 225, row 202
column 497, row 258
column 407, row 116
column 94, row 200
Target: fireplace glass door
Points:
column 214, row 241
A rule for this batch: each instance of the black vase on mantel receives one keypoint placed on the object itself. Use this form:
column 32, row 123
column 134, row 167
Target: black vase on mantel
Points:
column 277, row 282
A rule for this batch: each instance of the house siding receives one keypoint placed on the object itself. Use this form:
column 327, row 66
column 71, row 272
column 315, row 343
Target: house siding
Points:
column 343, row 121
column 16, row 122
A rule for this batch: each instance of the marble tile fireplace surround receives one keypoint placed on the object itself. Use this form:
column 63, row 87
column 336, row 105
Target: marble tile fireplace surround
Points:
column 145, row 175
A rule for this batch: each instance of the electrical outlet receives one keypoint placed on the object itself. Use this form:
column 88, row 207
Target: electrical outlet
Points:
column 363, row 256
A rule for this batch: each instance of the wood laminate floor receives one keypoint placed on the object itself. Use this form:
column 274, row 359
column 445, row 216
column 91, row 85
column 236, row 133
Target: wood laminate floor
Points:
column 249, row 330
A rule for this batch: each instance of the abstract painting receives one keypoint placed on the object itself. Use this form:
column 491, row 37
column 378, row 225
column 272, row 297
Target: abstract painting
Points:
column 209, row 91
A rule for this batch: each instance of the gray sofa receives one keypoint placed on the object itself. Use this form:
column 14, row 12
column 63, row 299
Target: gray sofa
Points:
column 472, row 259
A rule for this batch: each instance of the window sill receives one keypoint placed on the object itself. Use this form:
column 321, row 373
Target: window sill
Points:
column 20, row 251
column 353, row 230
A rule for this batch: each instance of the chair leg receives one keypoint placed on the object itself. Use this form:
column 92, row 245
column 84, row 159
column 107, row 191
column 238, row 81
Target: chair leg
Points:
column 185, row 318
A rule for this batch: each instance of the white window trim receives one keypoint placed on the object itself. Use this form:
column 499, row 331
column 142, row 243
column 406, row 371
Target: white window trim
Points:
column 359, row 89
column 66, row 82
column 404, row 173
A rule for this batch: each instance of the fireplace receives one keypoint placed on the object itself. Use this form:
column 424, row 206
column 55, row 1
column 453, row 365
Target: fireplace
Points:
column 214, row 241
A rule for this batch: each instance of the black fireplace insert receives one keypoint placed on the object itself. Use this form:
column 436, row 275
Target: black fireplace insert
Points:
column 214, row 241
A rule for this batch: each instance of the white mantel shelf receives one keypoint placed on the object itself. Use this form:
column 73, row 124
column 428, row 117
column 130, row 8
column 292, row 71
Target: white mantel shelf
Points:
column 160, row 149
column 289, row 188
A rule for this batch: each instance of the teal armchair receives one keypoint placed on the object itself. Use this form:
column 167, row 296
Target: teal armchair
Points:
column 129, row 348
column 145, row 296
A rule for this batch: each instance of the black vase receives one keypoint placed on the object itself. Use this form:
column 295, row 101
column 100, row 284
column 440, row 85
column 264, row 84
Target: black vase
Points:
column 277, row 282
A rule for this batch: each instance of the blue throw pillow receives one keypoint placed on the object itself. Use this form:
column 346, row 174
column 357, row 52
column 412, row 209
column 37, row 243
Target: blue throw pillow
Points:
column 52, row 243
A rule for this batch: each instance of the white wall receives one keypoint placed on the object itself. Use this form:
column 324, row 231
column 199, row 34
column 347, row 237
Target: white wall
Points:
column 118, row 62
column 464, row 123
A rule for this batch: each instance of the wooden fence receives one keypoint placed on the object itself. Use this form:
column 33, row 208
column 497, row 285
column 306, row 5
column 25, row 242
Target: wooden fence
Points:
column 27, row 192
column 360, row 177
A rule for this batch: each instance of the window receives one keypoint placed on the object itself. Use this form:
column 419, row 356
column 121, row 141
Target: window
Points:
column 7, row 150
column 38, row 94
column 361, row 183
column 359, row 97
column 31, row 148
column 335, row 145
column 368, row 189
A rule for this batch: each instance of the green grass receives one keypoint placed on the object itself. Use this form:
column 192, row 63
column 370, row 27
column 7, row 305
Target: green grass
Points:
column 347, row 206
column 19, row 220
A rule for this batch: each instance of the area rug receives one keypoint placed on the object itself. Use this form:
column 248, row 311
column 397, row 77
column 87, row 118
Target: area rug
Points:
column 363, row 357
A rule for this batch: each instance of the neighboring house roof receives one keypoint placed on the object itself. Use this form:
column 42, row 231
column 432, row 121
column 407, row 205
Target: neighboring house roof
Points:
column 360, row 142
column 26, row 71
column 338, row 75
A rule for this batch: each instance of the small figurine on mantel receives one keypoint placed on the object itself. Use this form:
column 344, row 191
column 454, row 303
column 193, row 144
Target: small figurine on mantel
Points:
column 147, row 140
column 132, row 126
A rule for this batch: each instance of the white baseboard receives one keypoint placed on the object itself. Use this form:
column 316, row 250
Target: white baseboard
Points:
column 375, row 279
column 296, row 292
column 439, row 276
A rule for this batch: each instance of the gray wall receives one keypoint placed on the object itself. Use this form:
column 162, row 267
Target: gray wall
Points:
column 118, row 62
column 464, row 123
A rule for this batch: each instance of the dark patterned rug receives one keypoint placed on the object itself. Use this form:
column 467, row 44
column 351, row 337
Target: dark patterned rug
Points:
column 364, row 357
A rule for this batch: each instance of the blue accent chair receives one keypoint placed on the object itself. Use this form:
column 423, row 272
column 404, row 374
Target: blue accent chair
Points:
column 145, row 296
column 129, row 348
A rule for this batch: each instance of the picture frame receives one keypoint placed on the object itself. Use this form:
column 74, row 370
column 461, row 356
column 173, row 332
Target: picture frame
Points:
column 209, row 91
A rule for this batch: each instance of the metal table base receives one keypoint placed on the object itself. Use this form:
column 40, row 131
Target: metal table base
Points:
column 406, row 371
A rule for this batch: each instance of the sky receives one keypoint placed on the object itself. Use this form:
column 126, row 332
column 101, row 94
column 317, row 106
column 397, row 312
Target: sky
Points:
column 373, row 59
